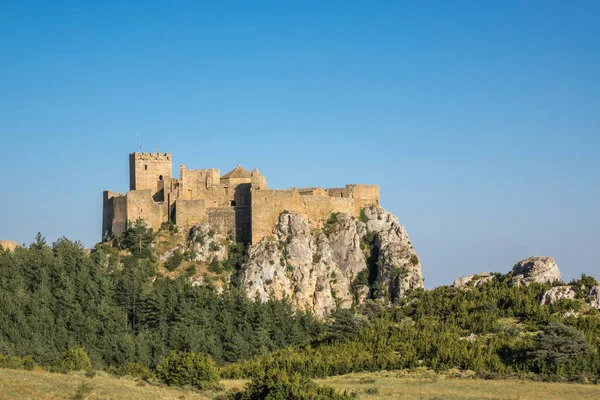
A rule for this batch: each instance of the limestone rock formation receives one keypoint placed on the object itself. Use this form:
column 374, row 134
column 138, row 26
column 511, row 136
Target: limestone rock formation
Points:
column 398, row 266
column 317, row 267
column 9, row 245
column 535, row 269
column 207, row 244
column 558, row 293
column 473, row 280
column 594, row 297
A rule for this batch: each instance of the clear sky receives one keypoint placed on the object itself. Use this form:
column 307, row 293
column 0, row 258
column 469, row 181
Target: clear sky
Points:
column 479, row 120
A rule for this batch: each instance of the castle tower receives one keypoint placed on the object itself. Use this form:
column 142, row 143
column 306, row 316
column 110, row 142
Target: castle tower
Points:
column 150, row 171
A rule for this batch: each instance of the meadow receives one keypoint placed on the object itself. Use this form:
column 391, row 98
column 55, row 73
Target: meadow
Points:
column 41, row 385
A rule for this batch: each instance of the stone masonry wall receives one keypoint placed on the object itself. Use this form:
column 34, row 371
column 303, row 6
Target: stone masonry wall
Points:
column 190, row 212
column 114, row 213
column 222, row 219
column 146, row 170
column 268, row 204
column 141, row 205
column 364, row 196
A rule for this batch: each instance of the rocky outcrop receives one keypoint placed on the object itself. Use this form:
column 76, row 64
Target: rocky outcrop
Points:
column 206, row 244
column 473, row 280
column 535, row 269
column 558, row 293
column 321, row 268
column 9, row 245
column 398, row 266
column 594, row 297
column 532, row 269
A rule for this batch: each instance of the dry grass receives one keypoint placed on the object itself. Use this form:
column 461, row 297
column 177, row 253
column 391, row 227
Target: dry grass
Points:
column 40, row 385
column 30, row 385
column 387, row 385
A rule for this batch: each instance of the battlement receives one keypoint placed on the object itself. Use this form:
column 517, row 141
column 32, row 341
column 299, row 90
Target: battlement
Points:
column 237, row 202
column 151, row 156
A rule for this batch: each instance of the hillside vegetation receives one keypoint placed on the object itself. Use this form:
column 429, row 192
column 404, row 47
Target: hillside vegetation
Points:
column 63, row 309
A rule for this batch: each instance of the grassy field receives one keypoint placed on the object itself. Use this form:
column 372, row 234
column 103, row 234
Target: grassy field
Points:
column 26, row 385
column 30, row 385
column 389, row 385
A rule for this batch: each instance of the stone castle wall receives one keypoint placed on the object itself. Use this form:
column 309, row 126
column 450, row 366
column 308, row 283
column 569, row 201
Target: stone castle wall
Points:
column 268, row 204
column 238, row 203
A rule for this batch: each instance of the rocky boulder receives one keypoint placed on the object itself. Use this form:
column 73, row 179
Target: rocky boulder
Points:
column 206, row 244
column 473, row 280
column 8, row 245
column 558, row 293
column 535, row 269
column 594, row 297
column 318, row 268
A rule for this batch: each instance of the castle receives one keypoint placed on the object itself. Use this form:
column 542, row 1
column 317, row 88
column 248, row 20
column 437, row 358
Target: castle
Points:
column 237, row 203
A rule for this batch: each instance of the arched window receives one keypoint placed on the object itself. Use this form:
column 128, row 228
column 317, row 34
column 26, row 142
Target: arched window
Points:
column 160, row 178
column 232, row 203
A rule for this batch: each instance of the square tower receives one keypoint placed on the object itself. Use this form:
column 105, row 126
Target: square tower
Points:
column 150, row 171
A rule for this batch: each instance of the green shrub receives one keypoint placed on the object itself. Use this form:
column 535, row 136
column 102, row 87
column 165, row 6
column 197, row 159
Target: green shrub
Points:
column 29, row 363
column 215, row 266
column 74, row 359
column 12, row 362
column 174, row 261
column 561, row 349
column 277, row 385
column 136, row 370
column 188, row 368
column 363, row 217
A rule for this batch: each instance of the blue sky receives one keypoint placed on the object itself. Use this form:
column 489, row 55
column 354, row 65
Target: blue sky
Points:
column 480, row 121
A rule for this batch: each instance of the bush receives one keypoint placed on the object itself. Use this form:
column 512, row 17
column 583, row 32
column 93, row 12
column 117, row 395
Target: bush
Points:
column 363, row 217
column 188, row 368
column 561, row 349
column 136, row 370
column 277, row 385
column 12, row 362
column 174, row 261
column 74, row 359
column 29, row 363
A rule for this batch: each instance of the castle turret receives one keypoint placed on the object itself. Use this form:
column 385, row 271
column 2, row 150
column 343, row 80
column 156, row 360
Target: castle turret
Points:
column 150, row 171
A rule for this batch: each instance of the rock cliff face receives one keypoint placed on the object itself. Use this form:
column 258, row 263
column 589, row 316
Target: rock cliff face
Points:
column 320, row 269
column 206, row 244
column 535, row 269
column 558, row 293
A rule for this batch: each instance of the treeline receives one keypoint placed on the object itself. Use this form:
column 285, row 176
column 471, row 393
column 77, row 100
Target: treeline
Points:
column 495, row 330
column 121, row 311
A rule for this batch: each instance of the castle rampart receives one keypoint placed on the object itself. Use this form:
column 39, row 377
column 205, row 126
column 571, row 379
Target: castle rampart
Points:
column 238, row 203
